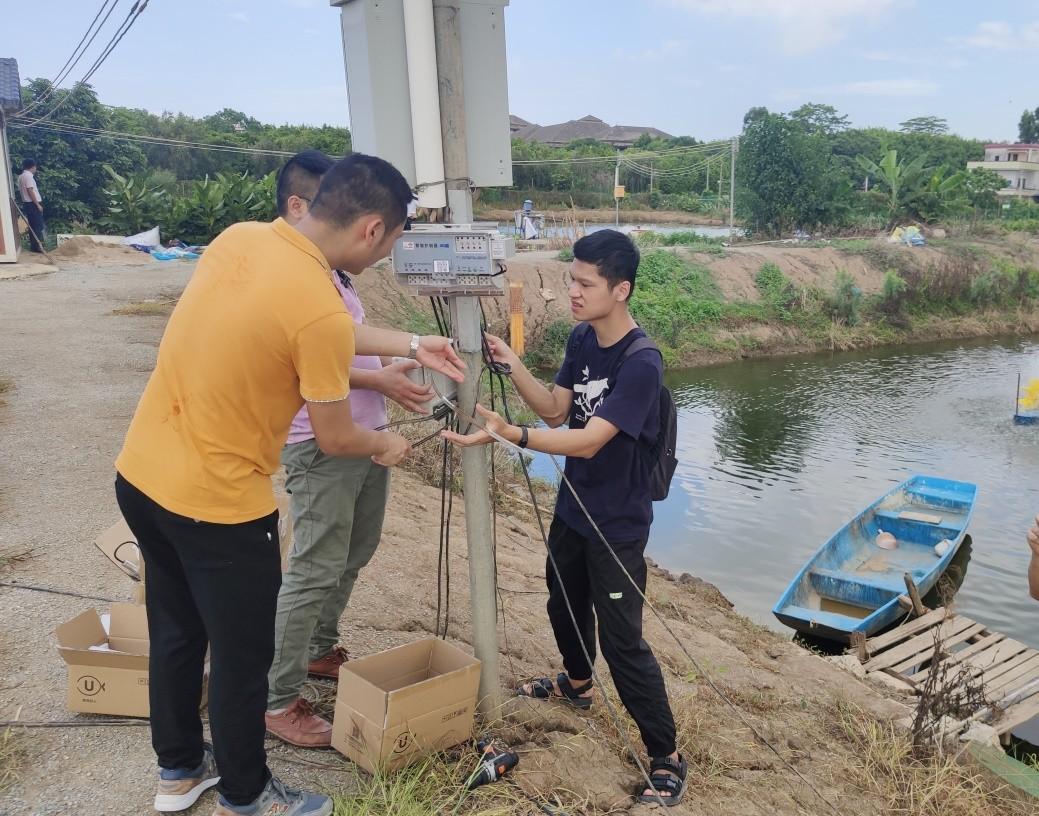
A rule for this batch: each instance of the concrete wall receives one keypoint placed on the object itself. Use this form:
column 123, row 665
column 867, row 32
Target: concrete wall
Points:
column 9, row 243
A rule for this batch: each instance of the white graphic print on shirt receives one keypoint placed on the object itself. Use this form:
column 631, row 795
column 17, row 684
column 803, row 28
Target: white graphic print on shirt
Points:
column 589, row 395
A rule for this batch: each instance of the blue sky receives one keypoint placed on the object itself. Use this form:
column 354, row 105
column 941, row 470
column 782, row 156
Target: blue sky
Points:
column 686, row 66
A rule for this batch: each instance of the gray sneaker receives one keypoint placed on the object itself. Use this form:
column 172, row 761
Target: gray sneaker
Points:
column 277, row 799
column 179, row 788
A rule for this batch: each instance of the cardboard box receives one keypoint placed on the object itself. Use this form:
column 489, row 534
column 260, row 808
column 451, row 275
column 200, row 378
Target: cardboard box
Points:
column 108, row 667
column 119, row 546
column 395, row 706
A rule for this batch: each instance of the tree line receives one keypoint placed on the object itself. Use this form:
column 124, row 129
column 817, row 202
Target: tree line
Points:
column 807, row 169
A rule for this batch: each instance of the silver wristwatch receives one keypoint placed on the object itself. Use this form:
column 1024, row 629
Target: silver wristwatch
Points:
column 413, row 348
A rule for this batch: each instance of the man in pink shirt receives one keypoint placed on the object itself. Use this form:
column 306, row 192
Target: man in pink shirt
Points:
column 337, row 508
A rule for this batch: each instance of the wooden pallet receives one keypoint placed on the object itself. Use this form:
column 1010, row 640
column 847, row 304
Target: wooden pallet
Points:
column 1007, row 669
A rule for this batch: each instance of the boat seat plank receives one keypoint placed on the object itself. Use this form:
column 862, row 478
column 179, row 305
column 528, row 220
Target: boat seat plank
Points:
column 895, row 584
column 952, row 499
column 915, row 515
column 893, row 521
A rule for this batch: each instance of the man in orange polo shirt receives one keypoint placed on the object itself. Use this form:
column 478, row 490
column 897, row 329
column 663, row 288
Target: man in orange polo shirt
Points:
column 259, row 331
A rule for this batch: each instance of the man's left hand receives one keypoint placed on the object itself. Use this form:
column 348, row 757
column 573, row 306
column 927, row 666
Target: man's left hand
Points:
column 492, row 422
column 392, row 381
column 1033, row 537
column 438, row 353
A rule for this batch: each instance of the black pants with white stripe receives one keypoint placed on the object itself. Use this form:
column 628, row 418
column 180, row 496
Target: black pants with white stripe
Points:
column 599, row 590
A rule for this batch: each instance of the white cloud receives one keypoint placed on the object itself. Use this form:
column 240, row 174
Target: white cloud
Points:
column 666, row 50
column 997, row 35
column 890, row 87
column 926, row 60
column 804, row 25
column 239, row 16
column 866, row 87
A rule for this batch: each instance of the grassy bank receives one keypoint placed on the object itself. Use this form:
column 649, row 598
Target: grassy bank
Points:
column 704, row 302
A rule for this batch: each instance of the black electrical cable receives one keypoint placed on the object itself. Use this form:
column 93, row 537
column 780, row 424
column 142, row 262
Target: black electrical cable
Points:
column 60, row 76
column 135, row 11
column 648, row 603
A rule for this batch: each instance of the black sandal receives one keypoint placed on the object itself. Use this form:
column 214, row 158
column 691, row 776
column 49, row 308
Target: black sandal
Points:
column 543, row 689
column 672, row 782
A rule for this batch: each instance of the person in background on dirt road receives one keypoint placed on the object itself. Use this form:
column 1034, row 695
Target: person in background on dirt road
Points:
column 338, row 504
column 32, row 204
column 611, row 401
column 259, row 331
column 1033, row 566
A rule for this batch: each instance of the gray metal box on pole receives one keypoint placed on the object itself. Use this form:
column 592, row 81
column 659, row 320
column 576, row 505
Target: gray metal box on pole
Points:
column 377, row 81
column 377, row 85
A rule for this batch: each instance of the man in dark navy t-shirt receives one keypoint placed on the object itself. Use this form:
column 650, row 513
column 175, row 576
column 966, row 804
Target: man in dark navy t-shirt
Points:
column 610, row 402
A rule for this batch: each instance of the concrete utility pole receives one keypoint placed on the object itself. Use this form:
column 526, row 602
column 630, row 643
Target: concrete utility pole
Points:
column 465, row 320
column 732, row 186
column 616, row 186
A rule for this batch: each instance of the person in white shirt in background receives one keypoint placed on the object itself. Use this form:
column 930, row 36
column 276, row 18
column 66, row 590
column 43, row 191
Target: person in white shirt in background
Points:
column 32, row 204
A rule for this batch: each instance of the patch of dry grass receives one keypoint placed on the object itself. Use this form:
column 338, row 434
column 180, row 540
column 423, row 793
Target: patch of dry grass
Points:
column 11, row 755
column 146, row 308
column 936, row 785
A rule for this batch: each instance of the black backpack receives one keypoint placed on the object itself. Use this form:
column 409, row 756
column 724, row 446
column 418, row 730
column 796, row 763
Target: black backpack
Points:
column 660, row 457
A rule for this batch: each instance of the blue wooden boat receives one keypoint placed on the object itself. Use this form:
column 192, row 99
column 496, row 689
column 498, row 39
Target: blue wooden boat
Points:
column 852, row 585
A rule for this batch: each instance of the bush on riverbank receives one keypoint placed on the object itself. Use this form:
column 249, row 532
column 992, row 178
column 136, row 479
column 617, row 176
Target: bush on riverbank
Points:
column 681, row 306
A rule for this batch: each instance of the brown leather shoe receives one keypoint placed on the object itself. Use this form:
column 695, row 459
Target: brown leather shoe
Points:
column 328, row 666
column 300, row 725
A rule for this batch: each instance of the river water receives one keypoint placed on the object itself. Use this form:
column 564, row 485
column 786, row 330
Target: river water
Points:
column 776, row 455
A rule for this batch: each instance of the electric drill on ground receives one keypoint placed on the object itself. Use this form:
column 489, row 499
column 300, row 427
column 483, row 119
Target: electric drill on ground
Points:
column 497, row 760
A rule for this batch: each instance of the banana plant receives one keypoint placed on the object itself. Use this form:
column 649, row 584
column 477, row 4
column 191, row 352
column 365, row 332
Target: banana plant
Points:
column 941, row 194
column 899, row 177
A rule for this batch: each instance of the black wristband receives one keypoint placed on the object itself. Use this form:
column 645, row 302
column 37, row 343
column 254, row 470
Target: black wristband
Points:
column 523, row 436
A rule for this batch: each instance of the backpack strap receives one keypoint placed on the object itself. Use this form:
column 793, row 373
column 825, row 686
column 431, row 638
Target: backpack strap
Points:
column 577, row 337
column 634, row 347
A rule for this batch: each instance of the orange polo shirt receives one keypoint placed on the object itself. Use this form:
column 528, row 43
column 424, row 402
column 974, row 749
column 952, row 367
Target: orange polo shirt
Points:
column 259, row 329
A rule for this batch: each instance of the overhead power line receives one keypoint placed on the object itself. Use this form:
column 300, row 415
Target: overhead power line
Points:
column 88, row 132
column 73, row 59
column 98, row 133
column 136, row 10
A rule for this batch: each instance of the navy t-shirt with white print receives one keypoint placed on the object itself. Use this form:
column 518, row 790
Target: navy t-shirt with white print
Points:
column 613, row 484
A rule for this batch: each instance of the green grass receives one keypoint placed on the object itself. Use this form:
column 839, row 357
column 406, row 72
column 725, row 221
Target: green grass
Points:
column 852, row 245
column 434, row 785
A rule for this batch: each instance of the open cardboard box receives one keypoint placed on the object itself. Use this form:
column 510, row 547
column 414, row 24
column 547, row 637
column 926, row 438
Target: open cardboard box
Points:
column 397, row 705
column 108, row 666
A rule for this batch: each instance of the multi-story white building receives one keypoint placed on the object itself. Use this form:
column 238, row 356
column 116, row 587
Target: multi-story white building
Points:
column 1017, row 163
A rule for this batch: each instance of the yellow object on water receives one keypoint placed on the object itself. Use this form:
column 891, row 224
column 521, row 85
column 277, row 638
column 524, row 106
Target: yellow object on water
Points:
column 1030, row 400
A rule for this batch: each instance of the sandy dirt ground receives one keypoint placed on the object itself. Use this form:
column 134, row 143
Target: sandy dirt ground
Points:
column 77, row 369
